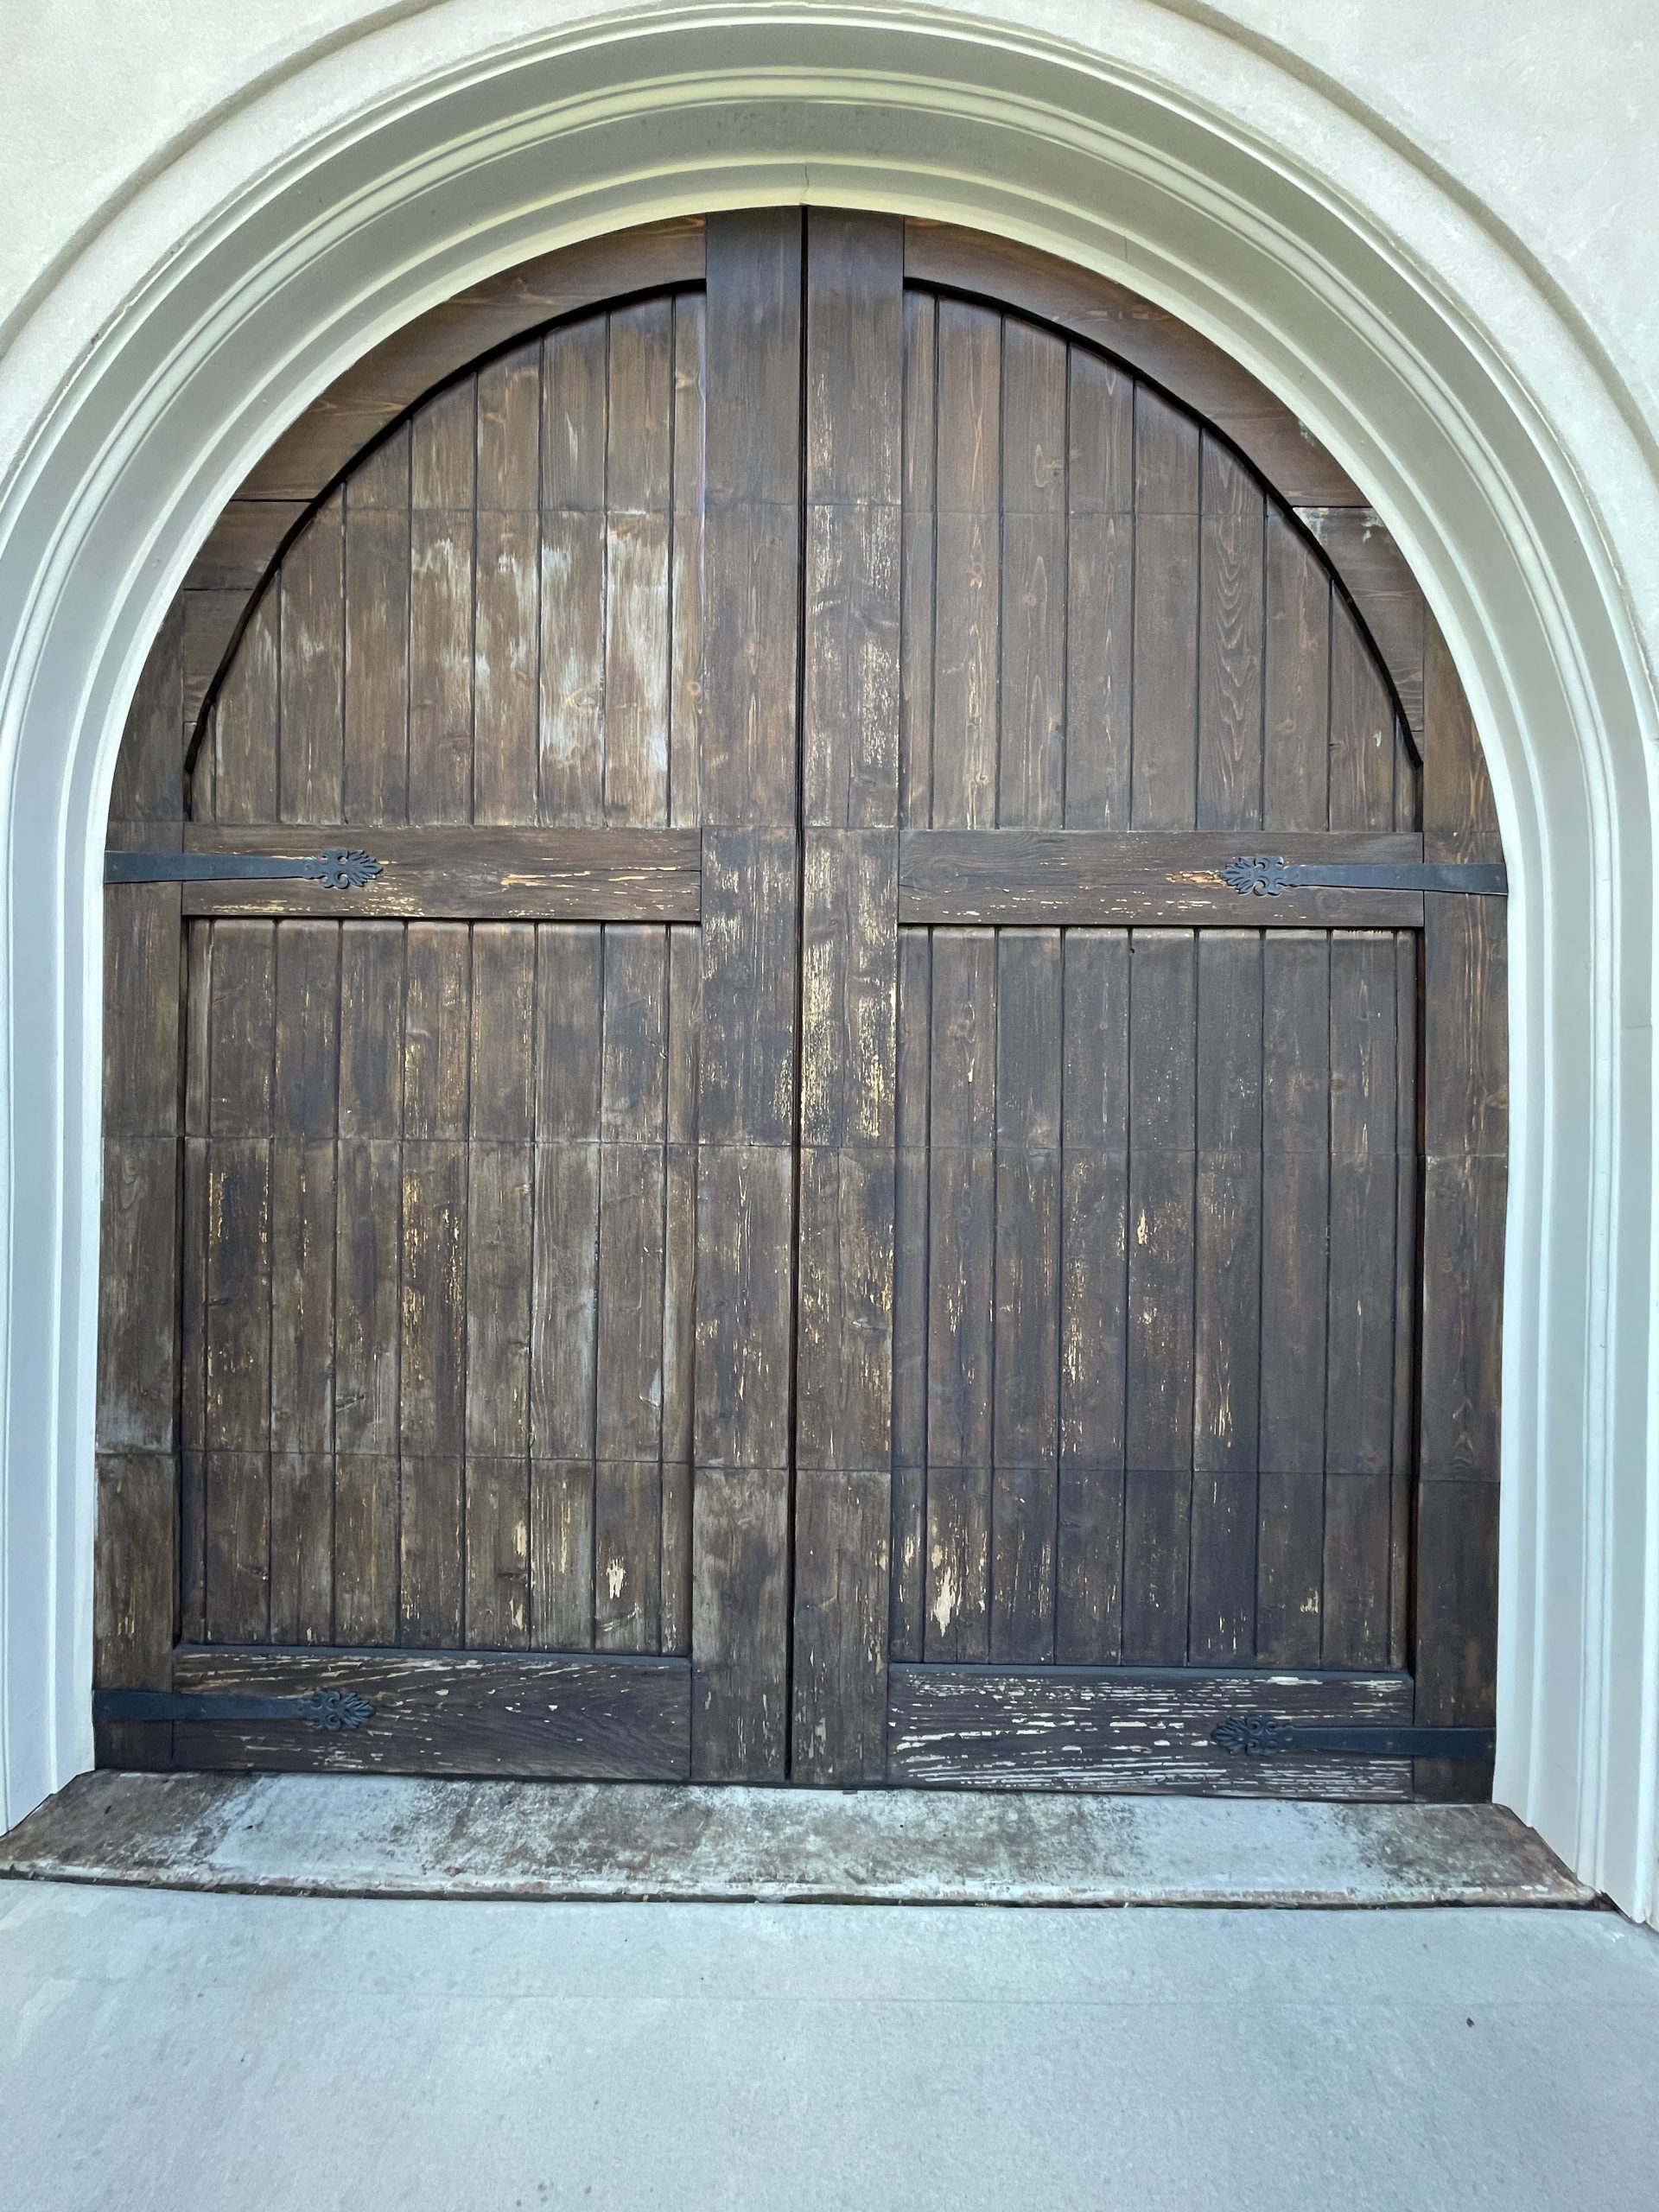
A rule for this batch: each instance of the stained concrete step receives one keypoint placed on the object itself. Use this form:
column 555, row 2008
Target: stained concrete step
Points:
column 358, row 1836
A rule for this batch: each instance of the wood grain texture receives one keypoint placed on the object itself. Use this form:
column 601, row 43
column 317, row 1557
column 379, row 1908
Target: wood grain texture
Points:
column 433, row 875
column 1130, row 1729
column 1090, row 879
column 569, row 1717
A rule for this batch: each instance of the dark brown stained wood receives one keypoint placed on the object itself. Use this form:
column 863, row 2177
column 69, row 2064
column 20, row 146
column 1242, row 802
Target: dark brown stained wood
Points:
column 366, row 1547
column 1094, row 1114
column 1031, row 761
column 1131, row 1729
column 491, row 874
column 1163, row 978
column 496, row 1600
column 960, row 1290
column 135, row 1619
column 747, row 1064
column 311, row 749
column 1457, row 1606
column 917, row 557
column 1296, row 682
column 210, row 620
column 1148, row 338
column 242, row 544
column 1227, row 1300
column 1230, row 635
column 1085, row 877
column 394, row 374
column 1362, row 731
column 506, row 579
column 237, row 770
column 1372, row 566
column 146, row 785
column 840, row 1626
column 877, row 1255
column 569, row 1717
column 1465, row 1116
column 1407, row 1255
column 967, row 574
column 562, row 1555
column 739, row 1622
column 908, row 1552
column 1164, row 712
column 854, row 369
column 1295, row 1193
column 1026, row 1412
column 375, row 788
column 1463, row 1291
column 686, row 687
column 443, row 471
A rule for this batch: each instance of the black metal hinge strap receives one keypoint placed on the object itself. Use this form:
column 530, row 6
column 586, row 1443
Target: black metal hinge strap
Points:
column 1266, row 874
column 1263, row 1735
column 336, row 869
column 327, row 1711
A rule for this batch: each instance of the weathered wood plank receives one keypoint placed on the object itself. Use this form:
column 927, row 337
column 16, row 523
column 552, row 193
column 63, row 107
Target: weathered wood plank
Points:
column 840, row 1625
column 1131, row 1728
column 570, row 1717
column 496, row 875
column 375, row 786
column 1081, row 878
column 1232, row 625
column 442, row 541
column 311, row 754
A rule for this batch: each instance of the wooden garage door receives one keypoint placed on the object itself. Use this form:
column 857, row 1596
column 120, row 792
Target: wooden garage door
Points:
column 843, row 1197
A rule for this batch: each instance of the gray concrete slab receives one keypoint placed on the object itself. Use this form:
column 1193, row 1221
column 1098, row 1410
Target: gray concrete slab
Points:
column 263, row 2054
column 399, row 1836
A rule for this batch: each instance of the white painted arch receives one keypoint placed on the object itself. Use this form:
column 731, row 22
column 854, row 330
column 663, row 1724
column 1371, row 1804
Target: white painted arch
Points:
column 352, row 192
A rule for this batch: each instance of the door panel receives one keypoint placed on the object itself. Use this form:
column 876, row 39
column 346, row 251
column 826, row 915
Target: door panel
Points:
column 803, row 1225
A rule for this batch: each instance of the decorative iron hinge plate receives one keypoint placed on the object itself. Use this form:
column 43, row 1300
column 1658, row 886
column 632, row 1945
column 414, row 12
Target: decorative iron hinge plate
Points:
column 1264, row 1735
column 1266, row 874
column 327, row 1711
column 337, row 870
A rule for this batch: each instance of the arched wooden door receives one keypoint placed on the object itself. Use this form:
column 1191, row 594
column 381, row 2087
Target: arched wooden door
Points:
column 805, row 1041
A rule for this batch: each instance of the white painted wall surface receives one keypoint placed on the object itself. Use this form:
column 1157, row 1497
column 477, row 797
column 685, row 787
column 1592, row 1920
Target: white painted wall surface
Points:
column 1426, row 225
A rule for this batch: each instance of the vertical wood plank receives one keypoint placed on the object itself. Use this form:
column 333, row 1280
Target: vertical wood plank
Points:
column 1296, row 682
column 375, row 786
column 1227, row 1300
column 442, row 538
column 967, row 582
column 1025, row 1364
column 1160, row 1357
column 1099, row 594
column 1231, row 623
column 1295, row 1194
column 311, row 755
column 1166, row 538
column 1094, row 1311
column 506, row 588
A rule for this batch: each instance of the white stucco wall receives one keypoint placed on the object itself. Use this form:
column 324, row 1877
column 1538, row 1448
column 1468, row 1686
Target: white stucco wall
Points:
column 1495, row 164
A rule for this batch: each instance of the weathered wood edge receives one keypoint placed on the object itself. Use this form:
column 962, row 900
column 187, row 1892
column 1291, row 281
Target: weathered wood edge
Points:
column 1352, row 538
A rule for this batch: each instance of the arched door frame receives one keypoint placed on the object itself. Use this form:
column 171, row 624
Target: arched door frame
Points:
column 336, row 234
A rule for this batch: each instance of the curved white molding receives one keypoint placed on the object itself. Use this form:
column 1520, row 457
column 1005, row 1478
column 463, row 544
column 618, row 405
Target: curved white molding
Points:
column 339, row 201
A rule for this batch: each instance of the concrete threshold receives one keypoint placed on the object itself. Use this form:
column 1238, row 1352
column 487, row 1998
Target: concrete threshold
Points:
column 395, row 1836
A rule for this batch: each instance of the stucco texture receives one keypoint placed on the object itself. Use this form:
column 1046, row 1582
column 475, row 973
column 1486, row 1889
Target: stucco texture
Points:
column 1539, row 115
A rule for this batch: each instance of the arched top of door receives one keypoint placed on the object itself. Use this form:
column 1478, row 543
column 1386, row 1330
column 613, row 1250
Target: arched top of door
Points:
column 341, row 427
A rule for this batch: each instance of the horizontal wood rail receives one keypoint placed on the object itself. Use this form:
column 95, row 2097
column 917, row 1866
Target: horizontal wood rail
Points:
column 459, row 873
column 574, row 1715
column 1087, row 878
column 1109, row 1728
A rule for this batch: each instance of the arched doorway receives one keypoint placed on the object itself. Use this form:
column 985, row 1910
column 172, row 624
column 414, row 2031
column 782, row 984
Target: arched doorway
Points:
column 805, row 1188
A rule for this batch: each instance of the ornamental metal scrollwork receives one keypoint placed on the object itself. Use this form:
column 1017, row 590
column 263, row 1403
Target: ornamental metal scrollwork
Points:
column 330, row 1711
column 342, row 870
column 1263, row 873
column 1252, row 1735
